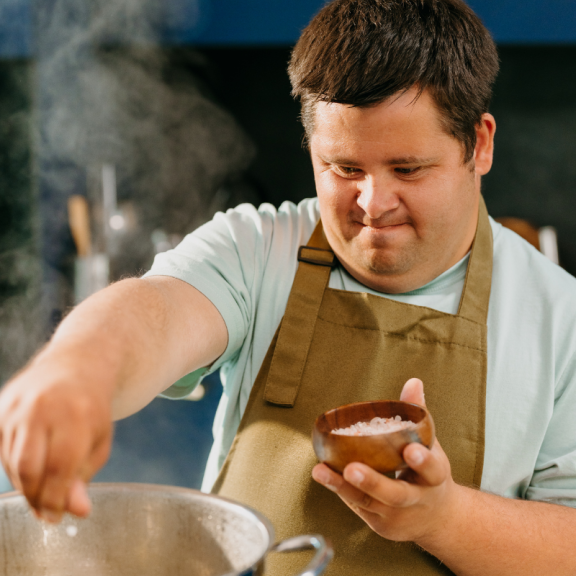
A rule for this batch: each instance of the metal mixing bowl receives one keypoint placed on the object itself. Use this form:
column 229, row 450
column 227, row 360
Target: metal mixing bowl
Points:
column 145, row 530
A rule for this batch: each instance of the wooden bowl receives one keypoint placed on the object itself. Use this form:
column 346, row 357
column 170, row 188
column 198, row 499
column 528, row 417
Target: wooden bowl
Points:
column 383, row 452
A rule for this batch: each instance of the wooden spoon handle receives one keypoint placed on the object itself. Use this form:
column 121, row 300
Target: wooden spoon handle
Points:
column 79, row 220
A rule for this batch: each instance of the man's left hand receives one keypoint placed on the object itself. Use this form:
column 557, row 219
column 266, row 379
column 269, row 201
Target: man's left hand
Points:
column 412, row 507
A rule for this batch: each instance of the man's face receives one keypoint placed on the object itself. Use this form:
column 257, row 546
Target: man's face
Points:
column 397, row 203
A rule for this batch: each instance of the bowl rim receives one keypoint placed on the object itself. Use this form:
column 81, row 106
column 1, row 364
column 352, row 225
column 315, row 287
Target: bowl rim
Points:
column 118, row 487
column 318, row 427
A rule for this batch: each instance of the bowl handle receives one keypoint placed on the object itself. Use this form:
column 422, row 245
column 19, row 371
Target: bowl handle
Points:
column 321, row 559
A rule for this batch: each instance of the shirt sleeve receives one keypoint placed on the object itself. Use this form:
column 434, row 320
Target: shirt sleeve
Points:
column 554, row 478
column 220, row 259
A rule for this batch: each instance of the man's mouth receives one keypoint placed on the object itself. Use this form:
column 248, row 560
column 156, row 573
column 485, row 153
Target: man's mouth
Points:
column 383, row 226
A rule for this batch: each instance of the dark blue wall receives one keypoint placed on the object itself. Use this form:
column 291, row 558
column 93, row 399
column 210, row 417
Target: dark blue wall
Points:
column 528, row 21
column 275, row 22
column 15, row 29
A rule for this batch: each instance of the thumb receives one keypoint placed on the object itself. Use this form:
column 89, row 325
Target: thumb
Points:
column 413, row 392
column 78, row 501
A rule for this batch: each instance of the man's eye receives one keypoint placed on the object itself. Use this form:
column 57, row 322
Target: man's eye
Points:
column 406, row 171
column 348, row 170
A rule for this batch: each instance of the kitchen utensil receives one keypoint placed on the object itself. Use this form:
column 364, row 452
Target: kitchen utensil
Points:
column 91, row 271
column 79, row 220
column 383, row 452
column 146, row 530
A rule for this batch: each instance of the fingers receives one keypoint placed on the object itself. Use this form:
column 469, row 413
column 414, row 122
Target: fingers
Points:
column 391, row 493
column 431, row 466
column 78, row 502
column 367, row 489
column 349, row 494
column 55, row 433
column 65, row 490
column 413, row 392
column 70, row 465
column 66, row 453
column 27, row 461
column 51, row 462
column 364, row 488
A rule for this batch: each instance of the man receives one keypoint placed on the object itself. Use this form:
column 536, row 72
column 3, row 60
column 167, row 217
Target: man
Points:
column 405, row 275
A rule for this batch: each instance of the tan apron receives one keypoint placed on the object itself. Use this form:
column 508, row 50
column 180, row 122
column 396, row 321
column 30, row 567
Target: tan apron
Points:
column 335, row 347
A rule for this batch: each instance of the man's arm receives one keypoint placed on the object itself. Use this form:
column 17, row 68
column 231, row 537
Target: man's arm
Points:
column 108, row 359
column 472, row 532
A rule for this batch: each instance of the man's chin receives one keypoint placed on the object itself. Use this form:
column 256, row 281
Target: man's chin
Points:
column 383, row 264
column 387, row 268
column 370, row 255
column 382, row 256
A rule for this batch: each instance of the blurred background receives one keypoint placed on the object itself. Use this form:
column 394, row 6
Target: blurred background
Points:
column 125, row 124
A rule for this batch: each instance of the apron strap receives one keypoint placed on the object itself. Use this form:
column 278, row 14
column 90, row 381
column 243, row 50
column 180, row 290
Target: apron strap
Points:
column 297, row 327
column 476, row 292
column 312, row 277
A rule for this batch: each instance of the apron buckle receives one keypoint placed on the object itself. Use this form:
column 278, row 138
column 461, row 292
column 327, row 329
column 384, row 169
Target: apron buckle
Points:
column 317, row 256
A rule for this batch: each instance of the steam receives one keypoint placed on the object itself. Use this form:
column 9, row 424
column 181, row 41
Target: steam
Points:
column 19, row 264
column 20, row 333
column 108, row 94
column 106, row 101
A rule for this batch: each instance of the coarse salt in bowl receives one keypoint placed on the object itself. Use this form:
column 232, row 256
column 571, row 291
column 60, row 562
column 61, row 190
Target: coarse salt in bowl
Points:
column 373, row 433
column 376, row 426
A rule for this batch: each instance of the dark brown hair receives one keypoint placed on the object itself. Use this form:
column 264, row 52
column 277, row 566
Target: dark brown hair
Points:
column 361, row 52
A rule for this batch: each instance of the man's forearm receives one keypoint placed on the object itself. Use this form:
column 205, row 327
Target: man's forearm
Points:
column 134, row 339
column 487, row 535
column 114, row 339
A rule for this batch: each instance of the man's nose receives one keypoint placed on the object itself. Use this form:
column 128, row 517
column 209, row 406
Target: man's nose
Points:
column 376, row 197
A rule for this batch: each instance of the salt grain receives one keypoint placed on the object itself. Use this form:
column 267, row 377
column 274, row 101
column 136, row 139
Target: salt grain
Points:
column 375, row 426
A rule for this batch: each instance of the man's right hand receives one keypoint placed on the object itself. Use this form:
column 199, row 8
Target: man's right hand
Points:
column 55, row 433
column 108, row 359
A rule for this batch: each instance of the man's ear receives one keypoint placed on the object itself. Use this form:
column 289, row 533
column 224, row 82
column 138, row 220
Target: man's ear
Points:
column 484, row 151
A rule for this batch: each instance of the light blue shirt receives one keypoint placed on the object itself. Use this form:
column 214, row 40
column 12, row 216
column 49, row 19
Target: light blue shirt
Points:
column 244, row 261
